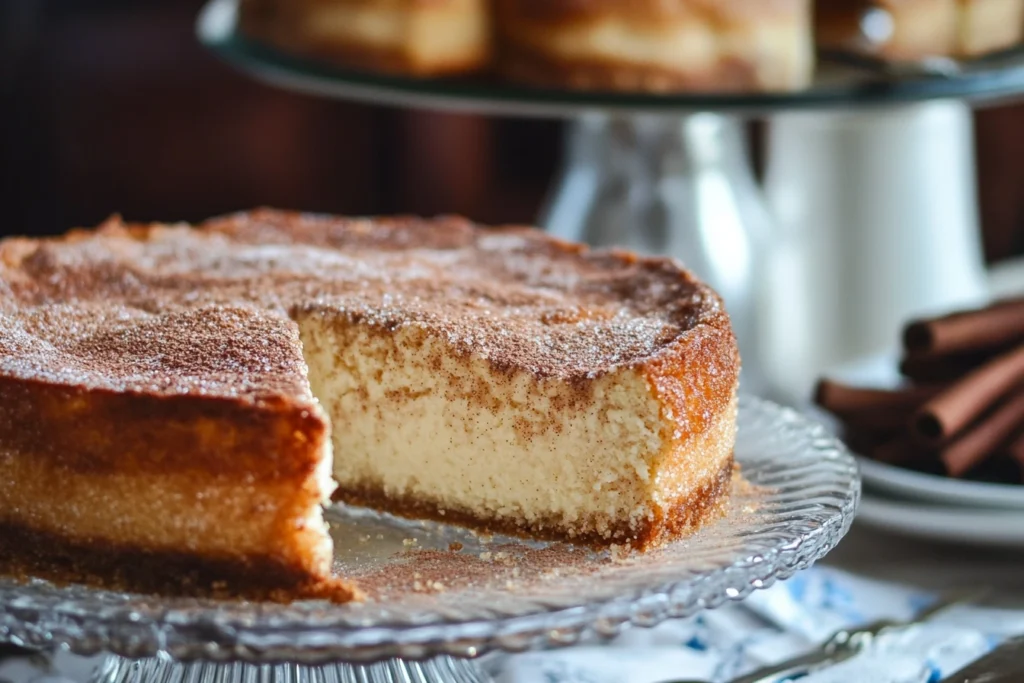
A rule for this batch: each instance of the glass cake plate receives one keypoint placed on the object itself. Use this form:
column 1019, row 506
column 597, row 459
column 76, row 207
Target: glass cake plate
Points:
column 840, row 82
column 439, row 590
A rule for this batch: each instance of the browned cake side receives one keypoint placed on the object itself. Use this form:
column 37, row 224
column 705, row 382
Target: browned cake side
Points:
column 178, row 448
column 702, row 45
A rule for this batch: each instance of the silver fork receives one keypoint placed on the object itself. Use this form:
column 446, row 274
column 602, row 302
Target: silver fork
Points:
column 845, row 643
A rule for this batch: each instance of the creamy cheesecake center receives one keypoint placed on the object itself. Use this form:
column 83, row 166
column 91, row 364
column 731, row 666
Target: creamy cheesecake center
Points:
column 415, row 420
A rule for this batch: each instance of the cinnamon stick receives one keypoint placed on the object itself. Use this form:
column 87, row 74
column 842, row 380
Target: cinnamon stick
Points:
column 982, row 440
column 928, row 368
column 1016, row 449
column 844, row 400
column 902, row 451
column 995, row 325
column 879, row 421
column 866, row 441
column 949, row 412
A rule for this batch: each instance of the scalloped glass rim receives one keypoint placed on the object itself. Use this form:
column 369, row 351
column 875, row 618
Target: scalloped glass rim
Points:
column 993, row 77
column 811, row 493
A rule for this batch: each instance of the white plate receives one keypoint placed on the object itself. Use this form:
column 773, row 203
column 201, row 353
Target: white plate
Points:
column 1003, row 528
column 934, row 489
column 880, row 371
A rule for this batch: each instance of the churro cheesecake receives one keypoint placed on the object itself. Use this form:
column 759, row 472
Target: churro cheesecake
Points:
column 410, row 37
column 177, row 403
column 657, row 45
column 917, row 29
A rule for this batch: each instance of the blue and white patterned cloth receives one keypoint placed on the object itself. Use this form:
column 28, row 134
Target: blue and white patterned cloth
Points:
column 772, row 625
column 775, row 624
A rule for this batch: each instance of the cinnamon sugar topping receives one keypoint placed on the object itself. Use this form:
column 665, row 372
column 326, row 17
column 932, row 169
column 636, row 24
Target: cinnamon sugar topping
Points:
column 173, row 310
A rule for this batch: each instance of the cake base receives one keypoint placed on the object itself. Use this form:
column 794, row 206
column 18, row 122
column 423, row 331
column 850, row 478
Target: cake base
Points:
column 26, row 553
column 686, row 516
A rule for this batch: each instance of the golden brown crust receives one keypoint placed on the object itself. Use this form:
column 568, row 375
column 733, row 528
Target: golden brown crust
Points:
column 696, row 380
column 230, row 518
column 689, row 514
column 101, row 431
column 685, row 516
column 25, row 552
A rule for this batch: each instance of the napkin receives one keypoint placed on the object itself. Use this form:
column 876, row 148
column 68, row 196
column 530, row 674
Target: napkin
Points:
column 787, row 619
column 790, row 618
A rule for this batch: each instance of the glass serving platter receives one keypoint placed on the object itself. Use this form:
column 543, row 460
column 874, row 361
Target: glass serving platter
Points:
column 442, row 590
column 841, row 81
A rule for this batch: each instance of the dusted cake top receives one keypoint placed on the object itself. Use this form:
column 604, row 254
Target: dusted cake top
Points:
column 177, row 310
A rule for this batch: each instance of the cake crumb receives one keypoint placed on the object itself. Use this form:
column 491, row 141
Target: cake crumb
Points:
column 486, row 557
column 438, row 586
column 409, row 542
column 482, row 536
column 454, row 546
column 619, row 552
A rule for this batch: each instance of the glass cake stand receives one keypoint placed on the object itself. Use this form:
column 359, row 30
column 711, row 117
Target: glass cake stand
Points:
column 441, row 595
column 670, row 174
column 841, row 83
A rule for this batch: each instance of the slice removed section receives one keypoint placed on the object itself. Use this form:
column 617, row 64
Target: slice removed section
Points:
column 422, row 428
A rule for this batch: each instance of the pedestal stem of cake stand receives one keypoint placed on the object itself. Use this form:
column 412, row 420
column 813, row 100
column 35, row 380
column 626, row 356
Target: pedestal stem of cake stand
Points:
column 681, row 187
column 158, row 670
column 876, row 220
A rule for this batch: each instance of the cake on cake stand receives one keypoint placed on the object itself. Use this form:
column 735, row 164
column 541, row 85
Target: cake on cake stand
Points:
column 869, row 171
column 868, row 214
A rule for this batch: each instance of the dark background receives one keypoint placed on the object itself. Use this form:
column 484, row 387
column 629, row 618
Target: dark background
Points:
column 111, row 106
